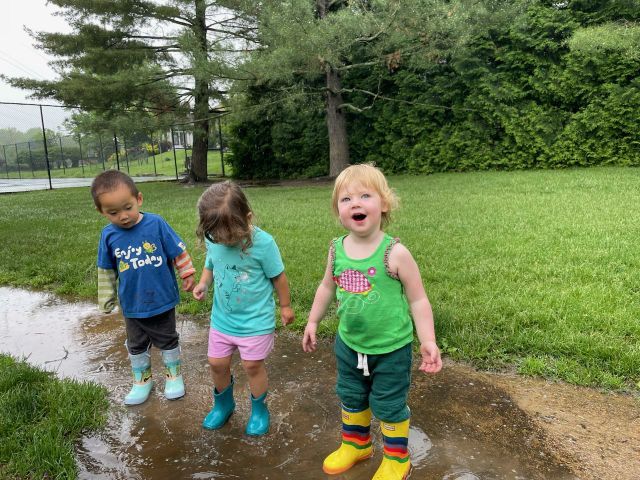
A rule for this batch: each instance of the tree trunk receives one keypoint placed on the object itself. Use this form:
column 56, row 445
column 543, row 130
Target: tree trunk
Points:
column 200, row 145
column 336, row 121
column 336, row 125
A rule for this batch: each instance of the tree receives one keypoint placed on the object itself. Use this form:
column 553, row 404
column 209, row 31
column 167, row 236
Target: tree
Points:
column 302, row 40
column 162, row 57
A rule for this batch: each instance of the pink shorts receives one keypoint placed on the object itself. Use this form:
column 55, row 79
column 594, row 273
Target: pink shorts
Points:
column 256, row 347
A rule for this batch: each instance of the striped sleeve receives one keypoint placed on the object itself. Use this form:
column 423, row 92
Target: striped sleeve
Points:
column 106, row 290
column 184, row 265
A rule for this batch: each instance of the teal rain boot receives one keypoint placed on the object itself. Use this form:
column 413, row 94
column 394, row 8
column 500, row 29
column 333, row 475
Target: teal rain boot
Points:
column 142, row 381
column 223, row 407
column 174, row 385
column 259, row 419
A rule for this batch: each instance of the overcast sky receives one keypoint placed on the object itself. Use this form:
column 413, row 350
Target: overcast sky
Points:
column 19, row 58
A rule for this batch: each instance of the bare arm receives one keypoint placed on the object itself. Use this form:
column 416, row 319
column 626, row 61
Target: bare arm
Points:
column 281, row 285
column 403, row 263
column 324, row 296
column 206, row 279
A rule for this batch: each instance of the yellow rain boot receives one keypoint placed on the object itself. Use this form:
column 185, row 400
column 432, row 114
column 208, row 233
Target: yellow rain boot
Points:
column 356, row 442
column 395, row 463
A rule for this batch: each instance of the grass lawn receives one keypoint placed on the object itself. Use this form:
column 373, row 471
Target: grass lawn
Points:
column 41, row 419
column 538, row 270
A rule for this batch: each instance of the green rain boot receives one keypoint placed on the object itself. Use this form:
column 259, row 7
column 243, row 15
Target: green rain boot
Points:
column 174, row 385
column 142, row 381
column 223, row 407
column 395, row 462
column 356, row 442
column 259, row 420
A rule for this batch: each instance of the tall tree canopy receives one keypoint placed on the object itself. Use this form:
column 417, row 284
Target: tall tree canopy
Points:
column 164, row 57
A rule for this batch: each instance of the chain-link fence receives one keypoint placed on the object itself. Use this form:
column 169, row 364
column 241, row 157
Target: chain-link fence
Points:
column 37, row 151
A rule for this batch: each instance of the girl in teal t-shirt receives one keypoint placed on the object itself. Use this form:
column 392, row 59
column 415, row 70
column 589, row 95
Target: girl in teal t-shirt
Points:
column 379, row 290
column 244, row 265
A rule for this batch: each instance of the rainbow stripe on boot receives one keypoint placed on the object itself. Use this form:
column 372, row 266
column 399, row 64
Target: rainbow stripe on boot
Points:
column 395, row 463
column 356, row 442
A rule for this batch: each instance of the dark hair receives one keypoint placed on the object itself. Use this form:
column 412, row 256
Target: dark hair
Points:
column 108, row 181
column 224, row 214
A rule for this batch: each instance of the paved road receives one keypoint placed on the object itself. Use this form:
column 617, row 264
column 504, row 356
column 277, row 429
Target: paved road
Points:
column 10, row 185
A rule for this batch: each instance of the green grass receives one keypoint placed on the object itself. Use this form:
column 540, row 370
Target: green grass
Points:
column 42, row 418
column 536, row 270
column 164, row 166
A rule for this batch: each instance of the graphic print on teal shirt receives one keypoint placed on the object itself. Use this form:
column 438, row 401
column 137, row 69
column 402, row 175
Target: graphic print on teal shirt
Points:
column 229, row 282
column 243, row 303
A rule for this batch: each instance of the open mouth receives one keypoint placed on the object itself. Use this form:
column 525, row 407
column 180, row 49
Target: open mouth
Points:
column 358, row 217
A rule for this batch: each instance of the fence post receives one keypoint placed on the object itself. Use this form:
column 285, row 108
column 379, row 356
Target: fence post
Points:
column 115, row 142
column 6, row 162
column 220, row 143
column 175, row 159
column 18, row 162
column 33, row 173
column 80, row 148
column 64, row 167
column 126, row 155
column 46, row 150
column 153, row 152
column 101, row 152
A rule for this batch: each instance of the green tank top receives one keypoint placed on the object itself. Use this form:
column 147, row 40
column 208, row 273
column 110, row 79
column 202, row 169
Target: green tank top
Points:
column 372, row 307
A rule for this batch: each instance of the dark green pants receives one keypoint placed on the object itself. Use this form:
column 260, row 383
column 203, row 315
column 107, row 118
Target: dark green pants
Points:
column 385, row 390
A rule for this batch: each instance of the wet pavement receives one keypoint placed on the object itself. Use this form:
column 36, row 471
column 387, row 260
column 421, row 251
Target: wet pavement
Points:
column 462, row 428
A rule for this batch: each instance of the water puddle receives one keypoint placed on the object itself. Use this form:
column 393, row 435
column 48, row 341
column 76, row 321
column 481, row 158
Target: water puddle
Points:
column 462, row 429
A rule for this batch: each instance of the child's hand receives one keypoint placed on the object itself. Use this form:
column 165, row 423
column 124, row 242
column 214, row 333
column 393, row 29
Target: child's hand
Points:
column 287, row 315
column 309, row 342
column 199, row 291
column 431, row 361
column 187, row 283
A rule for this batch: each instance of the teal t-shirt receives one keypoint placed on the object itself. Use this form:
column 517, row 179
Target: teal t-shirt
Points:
column 243, row 302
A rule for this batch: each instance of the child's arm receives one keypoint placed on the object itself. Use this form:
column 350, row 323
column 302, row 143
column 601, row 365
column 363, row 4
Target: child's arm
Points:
column 184, row 265
column 324, row 296
column 107, row 292
column 281, row 284
column 206, row 279
column 403, row 263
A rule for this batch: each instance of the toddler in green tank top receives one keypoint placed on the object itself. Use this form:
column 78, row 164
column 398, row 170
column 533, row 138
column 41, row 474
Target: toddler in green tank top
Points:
column 380, row 298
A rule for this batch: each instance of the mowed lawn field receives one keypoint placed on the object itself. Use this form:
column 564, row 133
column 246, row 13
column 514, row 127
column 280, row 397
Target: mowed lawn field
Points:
column 535, row 270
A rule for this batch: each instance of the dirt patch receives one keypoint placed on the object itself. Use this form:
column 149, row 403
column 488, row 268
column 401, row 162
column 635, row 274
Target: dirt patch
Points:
column 596, row 434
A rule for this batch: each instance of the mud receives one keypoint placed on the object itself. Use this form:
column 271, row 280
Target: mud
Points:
column 465, row 425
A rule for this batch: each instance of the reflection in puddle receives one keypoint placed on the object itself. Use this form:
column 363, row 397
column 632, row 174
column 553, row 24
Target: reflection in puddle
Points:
column 460, row 431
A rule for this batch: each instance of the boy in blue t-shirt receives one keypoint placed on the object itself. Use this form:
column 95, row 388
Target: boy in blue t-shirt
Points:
column 137, row 253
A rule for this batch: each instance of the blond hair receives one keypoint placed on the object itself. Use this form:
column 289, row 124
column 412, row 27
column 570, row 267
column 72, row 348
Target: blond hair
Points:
column 369, row 176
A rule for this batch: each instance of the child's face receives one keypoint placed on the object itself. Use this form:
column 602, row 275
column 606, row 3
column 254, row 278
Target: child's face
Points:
column 360, row 209
column 120, row 207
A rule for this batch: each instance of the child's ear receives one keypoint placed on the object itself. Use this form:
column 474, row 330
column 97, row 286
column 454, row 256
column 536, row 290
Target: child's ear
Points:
column 139, row 199
column 249, row 216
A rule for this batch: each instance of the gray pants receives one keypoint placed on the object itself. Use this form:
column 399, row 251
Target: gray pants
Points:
column 159, row 331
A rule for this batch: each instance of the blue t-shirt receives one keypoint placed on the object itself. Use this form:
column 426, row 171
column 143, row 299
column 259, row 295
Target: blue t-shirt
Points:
column 142, row 257
column 243, row 302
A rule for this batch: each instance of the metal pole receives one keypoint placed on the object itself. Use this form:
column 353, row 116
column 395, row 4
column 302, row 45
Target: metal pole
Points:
column 175, row 159
column 220, row 143
column 18, row 162
column 33, row 173
column 64, row 167
column 80, row 161
column 101, row 152
column 153, row 152
column 6, row 162
column 115, row 142
column 46, row 150
column 126, row 155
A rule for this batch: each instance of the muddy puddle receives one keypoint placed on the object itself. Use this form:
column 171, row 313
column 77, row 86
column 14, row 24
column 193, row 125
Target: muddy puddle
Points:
column 463, row 428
